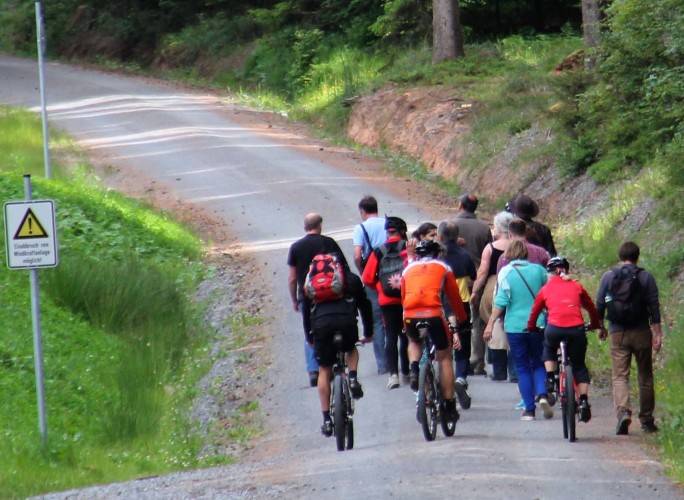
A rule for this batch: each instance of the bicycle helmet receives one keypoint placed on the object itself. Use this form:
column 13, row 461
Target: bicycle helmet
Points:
column 557, row 262
column 428, row 248
column 396, row 224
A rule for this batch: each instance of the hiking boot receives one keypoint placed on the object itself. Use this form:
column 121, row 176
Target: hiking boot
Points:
column 649, row 427
column 461, row 387
column 413, row 381
column 551, row 398
column 327, row 428
column 550, row 388
column 355, row 388
column 313, row 379
column 546, row 407
column 393, row 382
column 623, row 424
column 584, row 410
column 527, row 415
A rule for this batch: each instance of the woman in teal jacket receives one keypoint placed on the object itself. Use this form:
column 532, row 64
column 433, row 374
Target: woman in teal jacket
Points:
column 518, row 284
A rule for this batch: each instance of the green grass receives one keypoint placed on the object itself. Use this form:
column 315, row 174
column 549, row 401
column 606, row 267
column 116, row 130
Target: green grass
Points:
column 122, row 343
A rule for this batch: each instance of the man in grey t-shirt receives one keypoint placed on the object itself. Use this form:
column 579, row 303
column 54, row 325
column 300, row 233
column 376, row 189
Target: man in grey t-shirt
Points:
column 369, row 235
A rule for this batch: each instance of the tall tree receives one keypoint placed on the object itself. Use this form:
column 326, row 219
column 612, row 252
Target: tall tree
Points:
column 447, row 32
column 591, row 14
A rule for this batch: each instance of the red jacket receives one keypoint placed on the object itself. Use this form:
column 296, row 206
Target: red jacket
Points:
column 370, row 276
column 563, row 299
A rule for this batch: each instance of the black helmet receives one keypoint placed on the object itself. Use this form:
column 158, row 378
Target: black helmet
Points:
column 428, row 248
column 557, row 262
column 395, row 223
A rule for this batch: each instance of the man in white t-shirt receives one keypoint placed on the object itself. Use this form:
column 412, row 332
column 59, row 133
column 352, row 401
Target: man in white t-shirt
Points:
column 369, row 235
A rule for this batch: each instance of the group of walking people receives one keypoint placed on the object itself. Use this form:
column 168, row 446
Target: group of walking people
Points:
column 504, row 287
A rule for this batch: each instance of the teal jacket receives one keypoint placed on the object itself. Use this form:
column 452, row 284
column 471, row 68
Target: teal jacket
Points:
column 514, row 296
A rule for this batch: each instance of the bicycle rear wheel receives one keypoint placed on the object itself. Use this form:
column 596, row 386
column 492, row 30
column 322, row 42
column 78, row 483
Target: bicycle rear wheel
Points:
column 340, row 413
column 427, row 409
column 563, row 404
column 448, row 426
column 571, row 403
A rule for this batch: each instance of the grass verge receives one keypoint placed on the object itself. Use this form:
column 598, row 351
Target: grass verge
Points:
column 123, row 344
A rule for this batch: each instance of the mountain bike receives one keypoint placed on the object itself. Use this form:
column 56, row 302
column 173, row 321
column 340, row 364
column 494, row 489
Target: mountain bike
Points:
column 341, row 402
column 566, row 388
column 430, row 400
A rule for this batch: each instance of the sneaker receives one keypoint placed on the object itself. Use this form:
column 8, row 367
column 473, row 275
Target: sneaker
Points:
column 649, row 427
column 393, row 382
column 450, row 411
column 355, row 388
column 546, row 407
column 527, row 415
column 327, row 428
column 479, row 369
column 413, row 381
column 584, row 411
column 313, row 379
column 464, row 399
column 551, row 398
column 623, row 424
column 520, row 405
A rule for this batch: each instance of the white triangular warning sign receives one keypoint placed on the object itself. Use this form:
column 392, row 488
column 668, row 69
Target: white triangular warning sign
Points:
column 30, row 227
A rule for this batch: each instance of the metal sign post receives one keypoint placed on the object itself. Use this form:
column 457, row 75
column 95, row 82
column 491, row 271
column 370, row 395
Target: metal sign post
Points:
column 31, row 241
column 40, row 33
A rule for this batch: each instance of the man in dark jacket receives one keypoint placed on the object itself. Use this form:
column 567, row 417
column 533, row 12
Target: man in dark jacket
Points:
column 526, row 208
column 477, row 235
column 639, row 338
column 463, row 267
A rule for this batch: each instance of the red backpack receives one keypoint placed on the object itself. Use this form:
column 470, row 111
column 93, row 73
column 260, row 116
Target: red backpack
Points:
column 325, row 279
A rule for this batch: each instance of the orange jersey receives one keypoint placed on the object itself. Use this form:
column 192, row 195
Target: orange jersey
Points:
column 422, row 284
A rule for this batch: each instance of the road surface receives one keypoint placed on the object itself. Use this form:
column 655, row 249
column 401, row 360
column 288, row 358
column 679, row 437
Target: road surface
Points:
column 262, row 185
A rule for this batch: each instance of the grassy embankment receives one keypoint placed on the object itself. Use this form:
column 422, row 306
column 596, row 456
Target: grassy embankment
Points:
column 122, row 342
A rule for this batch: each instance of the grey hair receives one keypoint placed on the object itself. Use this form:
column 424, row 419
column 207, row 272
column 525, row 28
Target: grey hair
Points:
column 447, row 231
column 501, row 221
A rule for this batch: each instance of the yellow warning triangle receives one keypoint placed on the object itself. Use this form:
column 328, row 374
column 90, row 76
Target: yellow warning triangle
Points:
column 30, row 227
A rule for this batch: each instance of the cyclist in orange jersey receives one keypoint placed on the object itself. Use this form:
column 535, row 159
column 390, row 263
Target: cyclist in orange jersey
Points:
column 422, row 285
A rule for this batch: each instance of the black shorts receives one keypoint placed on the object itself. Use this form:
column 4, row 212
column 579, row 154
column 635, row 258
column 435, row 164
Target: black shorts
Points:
column 439, row 331
column 577, row 348
column 324, row 350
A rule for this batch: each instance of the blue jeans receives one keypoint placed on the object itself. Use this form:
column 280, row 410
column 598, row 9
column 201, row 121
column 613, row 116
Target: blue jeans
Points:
column 378, row 331
column 305, row 308
column 526, row 349
column 462, row 356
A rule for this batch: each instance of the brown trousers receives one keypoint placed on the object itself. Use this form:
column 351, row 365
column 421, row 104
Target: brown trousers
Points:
column 635, row 342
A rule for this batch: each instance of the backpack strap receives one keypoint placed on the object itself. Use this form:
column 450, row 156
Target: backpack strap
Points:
column 515, row 266
column 367, row 238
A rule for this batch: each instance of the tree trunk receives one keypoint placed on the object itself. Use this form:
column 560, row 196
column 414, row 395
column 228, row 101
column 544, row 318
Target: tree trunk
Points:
column 447, row 34
column 591, row 14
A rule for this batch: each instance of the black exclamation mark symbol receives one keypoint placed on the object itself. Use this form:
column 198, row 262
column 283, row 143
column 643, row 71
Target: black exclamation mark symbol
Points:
column 30, row 223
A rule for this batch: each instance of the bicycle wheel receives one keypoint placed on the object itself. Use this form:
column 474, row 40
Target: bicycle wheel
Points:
column 448, row 426
column 340, row 413
column 563, row 404
column 427, row 396
column 349, row 421
column 571, row 403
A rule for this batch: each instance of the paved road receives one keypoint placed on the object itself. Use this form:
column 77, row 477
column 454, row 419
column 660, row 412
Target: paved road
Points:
column 263, row 188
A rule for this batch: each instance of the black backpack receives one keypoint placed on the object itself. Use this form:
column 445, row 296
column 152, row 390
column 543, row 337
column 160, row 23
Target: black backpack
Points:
column 391, row 264
column 625, row 304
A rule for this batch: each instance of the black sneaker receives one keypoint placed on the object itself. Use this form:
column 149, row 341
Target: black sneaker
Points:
column 313, row 379
column 623, row 424
column 450, row 411
column 527, row 415
column 461, row 387
column 649, row 427
column 355, row 388
column 327, row 428
column 413, row 381
column 584, row 411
